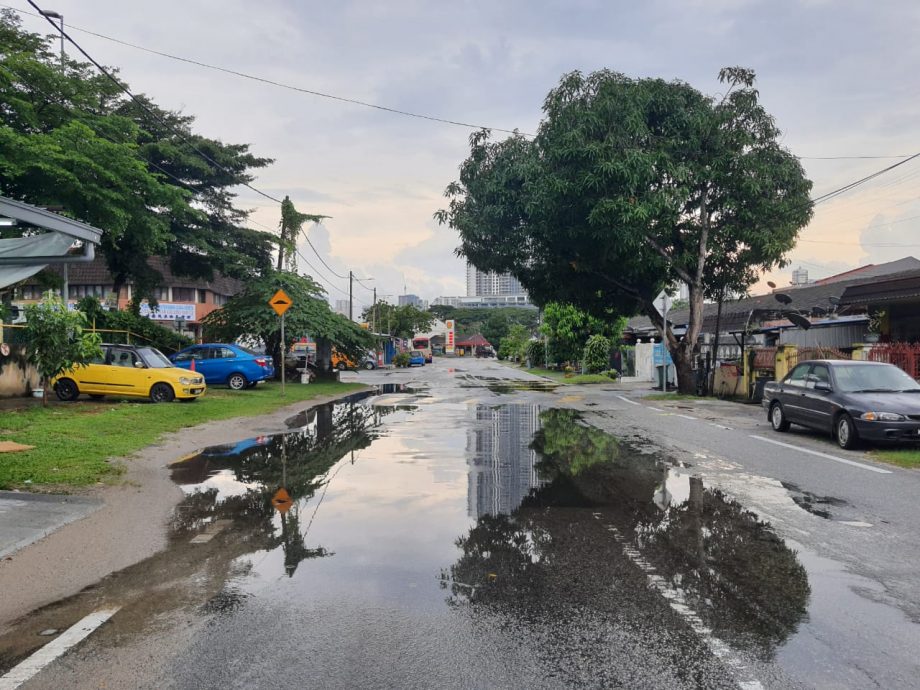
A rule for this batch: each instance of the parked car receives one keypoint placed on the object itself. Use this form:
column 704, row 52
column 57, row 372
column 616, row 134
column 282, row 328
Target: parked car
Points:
column 130, row 370
column 343, row 362
column 416, row 358
column 220, row 363
column 851, row 400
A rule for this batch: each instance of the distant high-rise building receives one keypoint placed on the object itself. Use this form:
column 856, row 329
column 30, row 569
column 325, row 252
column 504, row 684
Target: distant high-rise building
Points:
column 501, row 461
column 341, row 307
column 413, row 300
column 488, row 284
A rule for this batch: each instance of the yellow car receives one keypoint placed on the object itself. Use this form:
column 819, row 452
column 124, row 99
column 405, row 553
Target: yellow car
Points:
column 131, row 371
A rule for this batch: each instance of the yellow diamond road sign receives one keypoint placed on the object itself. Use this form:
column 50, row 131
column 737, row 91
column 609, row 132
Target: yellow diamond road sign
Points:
column 280, row 302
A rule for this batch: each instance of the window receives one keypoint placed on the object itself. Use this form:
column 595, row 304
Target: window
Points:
column 181, row 294
column 161, row 294
column 223, row 353
column 81, row 291
column 797, row 377
column 220, row 300
column 120, row 357
column 819, row 374
column 202, row 297
column 192, row 353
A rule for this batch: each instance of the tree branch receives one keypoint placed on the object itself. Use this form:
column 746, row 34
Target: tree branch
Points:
column 681, row 273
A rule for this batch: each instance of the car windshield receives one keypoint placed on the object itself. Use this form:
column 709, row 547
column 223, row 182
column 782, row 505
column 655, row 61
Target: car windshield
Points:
column 153, row 358
column 415, row 353
column 855, row 378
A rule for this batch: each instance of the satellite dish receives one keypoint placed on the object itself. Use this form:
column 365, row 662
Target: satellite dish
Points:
column 798, row 320
column 771, row 284
column 819, row 311
column 782, row 298
column 833, row 300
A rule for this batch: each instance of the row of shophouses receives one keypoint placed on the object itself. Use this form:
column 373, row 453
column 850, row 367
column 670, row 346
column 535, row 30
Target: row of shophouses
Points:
column 871, row 312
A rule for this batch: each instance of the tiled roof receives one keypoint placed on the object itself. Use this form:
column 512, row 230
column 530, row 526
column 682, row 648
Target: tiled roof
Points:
column 97, row 273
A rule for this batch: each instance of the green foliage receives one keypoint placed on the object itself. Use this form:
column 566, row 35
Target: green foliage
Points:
column 513, row 346
column 401, row 360
column 149, row 331
column 55, row 338
column 596, row 355
column 536, row 353
column 69, row 137
column 568, row 329
column 568, row 446
column 248, row 315
column 493, row 323
column 632, row 185
column 403, row 322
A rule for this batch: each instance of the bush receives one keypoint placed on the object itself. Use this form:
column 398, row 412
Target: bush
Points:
column 149, row 332
column 401, row 360
column 612, row 374
column 596, row 355
column 536, row 351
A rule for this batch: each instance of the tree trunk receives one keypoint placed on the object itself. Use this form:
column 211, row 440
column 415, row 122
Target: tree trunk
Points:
column 714, row 351
column 681, row 352
column 683, row 362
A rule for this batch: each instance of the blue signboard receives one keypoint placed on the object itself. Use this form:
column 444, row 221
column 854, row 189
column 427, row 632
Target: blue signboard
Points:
column 661, row 356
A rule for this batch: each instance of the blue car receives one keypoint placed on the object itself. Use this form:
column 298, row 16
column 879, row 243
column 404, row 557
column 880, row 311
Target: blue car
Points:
column 232, row 365
column 416, row 359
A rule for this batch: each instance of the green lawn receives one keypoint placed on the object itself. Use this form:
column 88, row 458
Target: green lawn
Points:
column 575, row 378
column 671, row 396
column 75, row 443
column 907, row 457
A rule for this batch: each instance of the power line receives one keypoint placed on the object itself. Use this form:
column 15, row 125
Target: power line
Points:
column 279, row 84
column 841, row 190
column 849, row 158
column 144, row 107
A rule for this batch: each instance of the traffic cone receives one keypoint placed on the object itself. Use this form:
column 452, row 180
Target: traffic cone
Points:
column 192, row 367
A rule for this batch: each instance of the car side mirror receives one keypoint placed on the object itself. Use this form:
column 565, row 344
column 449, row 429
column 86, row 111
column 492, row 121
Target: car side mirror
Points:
column 823, row 386
column 140, row 365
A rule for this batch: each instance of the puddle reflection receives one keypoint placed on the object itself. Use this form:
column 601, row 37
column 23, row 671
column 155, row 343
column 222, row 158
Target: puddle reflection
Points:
column 731, row 568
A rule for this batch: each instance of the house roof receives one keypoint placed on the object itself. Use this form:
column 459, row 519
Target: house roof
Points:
column 474, row 341
column 908, row 263
column 805, row 298
column 902, row 286
column 96, row 272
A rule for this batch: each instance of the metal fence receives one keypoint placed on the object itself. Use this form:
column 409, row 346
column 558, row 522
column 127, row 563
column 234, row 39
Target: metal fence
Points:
column 905, row 356
column 15, row 334
column 805, row 354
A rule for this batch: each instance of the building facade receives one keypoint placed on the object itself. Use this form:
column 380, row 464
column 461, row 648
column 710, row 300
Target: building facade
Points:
column 487, row 284
column 413, row 301
column 341, row 307
column 183, row 302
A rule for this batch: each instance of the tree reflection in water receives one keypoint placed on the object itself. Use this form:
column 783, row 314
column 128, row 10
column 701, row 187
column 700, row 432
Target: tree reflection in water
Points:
column 299, row 461
column 733, row 570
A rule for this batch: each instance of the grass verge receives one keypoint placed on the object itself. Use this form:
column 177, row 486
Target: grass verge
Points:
column 903, row 457
column 75, row 443
column 560, row 376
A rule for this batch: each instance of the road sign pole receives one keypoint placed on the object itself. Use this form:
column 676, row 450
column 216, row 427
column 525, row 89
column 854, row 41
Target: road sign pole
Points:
column 283, row 355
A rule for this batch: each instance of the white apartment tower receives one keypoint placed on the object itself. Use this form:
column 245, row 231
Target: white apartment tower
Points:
column 487, row 284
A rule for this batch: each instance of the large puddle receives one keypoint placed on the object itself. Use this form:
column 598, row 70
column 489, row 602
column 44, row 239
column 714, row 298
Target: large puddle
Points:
column 484, row 540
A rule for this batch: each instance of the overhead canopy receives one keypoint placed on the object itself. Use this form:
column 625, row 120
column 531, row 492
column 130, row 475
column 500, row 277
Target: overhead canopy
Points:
column 474, row 341
column 21, row 257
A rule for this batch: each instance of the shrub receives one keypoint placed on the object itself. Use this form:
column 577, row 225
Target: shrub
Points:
column 536, row 351
column 596, row 355
column 401, row 360
column 148, row 331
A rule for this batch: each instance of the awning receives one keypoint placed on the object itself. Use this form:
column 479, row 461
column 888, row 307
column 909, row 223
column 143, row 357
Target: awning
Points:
column 46, row 244
column 21, row 257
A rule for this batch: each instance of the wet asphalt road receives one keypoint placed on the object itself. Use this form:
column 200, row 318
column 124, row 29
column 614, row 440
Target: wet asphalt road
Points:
column 466, row 528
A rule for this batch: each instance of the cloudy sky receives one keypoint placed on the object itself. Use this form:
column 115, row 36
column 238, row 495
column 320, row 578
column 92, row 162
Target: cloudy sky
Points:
column 840, row 78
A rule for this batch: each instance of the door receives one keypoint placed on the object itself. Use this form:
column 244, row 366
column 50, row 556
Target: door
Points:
column 792, row 395
column 222, row 363
column 120, row 373
column 817, row 403
column 89, row 379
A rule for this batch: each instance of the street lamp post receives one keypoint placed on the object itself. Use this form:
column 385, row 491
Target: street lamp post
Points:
column 51, row 14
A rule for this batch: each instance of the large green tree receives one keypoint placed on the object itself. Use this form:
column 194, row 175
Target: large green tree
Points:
column 248, row 314
column 632, row 185
column 70, row 138
column 568, row 328
column 403, row 321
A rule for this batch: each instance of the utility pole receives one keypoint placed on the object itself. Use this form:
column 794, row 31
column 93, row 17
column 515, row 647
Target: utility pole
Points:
column 664, row 343
column 351, row 282
column 374, row 319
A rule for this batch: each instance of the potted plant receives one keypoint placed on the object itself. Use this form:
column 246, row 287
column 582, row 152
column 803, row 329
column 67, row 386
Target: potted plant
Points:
column 876, row 319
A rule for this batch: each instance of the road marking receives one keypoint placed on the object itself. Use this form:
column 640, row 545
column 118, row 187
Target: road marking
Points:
column 75, row 634
column 856, row 523
column 627, row 400
column 657, row 409
column 860, row 465
column 678, row 603
column 685, row 416
column 720, row 426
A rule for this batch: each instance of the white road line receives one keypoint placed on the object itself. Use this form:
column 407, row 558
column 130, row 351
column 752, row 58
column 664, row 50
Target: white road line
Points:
column 678, row 603
column 720, row 426
column 75, row 634
column 860, row 465
column 657, row 409
column 627, row 400
column 685, row 416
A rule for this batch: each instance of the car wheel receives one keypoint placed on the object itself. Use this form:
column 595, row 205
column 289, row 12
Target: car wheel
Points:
column 846, row 432
column 778, row 418
column 67, row 390
column 162, row 392
column 341, row 366
column 369, row 366
column 237, row 382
